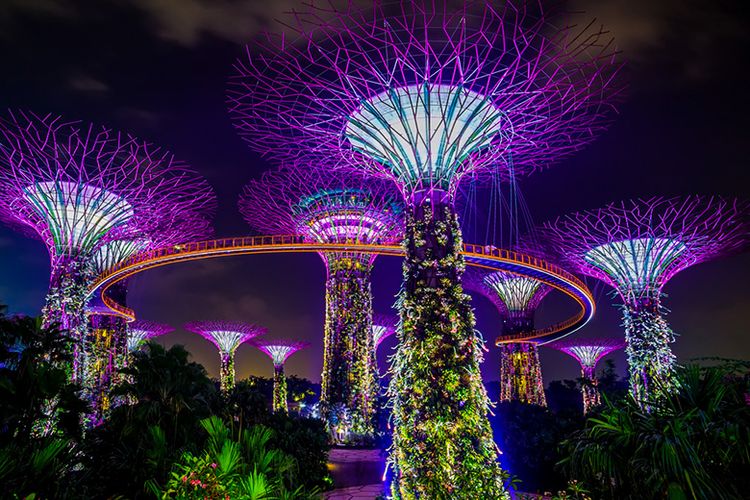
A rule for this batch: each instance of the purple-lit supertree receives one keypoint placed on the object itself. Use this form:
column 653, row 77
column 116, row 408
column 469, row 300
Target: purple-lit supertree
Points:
column 78, row 188
column 227, row 337
column 588, row 352
column 279, row 351
column 335, row 208
column 108, row 332
column 140, row 331
column 637, row 246
column 426, row 94
column 517, row 299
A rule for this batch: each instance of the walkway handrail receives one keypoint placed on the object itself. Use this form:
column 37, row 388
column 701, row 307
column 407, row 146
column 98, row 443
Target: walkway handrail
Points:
column 486, row 256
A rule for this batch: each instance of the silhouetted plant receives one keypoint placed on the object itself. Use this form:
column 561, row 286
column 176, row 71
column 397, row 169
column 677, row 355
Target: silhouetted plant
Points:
column 694, row 444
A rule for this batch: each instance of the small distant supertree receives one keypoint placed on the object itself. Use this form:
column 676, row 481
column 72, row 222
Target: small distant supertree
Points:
column 637, row 246
column 279, row 351
column 335, row 208
column 140, row 331
column 588, row 352
column 227, row 337
column 517, row 299
column 383, row 326
column 78, row 187
column 426, row 95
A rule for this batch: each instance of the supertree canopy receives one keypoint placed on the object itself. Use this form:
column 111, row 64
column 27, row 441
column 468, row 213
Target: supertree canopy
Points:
column 636, row 246
column 227, row 337
column 335, row 208
column 279, row 351
column 588, row 352
column 79, row 187
column 516, row 298
column 383, row 326
column 425, row 94
column 140, row 331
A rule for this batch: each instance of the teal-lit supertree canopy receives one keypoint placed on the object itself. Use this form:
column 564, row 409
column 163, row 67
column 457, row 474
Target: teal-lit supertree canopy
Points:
column 637, row 246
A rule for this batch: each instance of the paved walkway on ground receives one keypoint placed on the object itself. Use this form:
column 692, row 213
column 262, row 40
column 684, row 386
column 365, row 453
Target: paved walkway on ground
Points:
column 357, row 474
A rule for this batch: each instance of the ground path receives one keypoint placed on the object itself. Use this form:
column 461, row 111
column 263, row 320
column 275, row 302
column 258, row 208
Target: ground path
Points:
column 357, row 474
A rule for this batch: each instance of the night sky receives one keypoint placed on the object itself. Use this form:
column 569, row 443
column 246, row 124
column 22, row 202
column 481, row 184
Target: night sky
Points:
column 158, row 69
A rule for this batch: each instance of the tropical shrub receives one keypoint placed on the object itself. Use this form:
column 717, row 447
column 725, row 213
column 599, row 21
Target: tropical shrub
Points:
column 695, row 444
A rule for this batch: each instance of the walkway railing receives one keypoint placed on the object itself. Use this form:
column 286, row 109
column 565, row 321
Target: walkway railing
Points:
column 482, row 255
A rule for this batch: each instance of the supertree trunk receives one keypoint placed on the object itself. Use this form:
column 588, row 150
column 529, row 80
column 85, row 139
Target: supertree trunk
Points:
column 349, row 390
column 107, row 351
column 226, row 372
column 65, row 306
column 521, row 374
column 106, row 345
column 650, row 359
column 442, row 441
column 589, row 389
column 279, row 390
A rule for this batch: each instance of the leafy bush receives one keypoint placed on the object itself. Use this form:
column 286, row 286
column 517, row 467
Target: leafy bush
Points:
column 40, row 410
column 695, row 444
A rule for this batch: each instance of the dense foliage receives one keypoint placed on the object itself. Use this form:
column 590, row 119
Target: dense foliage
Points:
column 40, row 411
column 695, row 443
column 168, row 420
column 442, row 440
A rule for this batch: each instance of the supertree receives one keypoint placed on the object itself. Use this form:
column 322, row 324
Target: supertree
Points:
column 227, row 337
column 383, row 326
column 108, row 332
column 636, row 247
column 279, row 351
column 140, row 331
column 588, row 352
column 426, row 94
column 517, row 299
column 79, row 187
column 334, row 208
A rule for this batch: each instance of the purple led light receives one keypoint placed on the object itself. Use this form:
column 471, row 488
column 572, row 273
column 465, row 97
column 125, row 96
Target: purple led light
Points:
column 140, row 331
column 279, row 350
column 425, row 96
column 637, row 246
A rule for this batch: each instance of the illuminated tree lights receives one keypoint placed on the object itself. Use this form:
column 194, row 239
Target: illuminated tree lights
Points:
column 227, row 337
column 588, row 352
column 77, row 188
column 425, row 96
column 334, row 208
column 279, row 351
column 516, row 298
column 636, row 247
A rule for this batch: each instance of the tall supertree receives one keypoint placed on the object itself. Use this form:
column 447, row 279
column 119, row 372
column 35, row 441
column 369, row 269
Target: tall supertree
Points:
column 636, row 247
column 588, row 352
column 79, row 187
column 227, row 337
column 517, row 299
column 334, row 208
column 279, row 351
column 424, row 95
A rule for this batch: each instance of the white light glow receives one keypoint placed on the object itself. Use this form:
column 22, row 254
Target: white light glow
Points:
column 516, row 292
column 77, row 215
column 227, row 341
column 636, row 264
column 114, row 252
column 424, row 132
